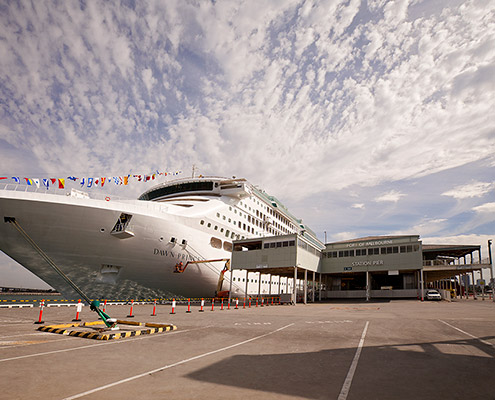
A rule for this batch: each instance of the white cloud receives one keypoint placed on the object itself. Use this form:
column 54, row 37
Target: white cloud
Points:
column 341, row 236
column 392, row 196
column 427, row 226
column 148, row 79
column 487, row 208
column 474, row 189
column 304, row 98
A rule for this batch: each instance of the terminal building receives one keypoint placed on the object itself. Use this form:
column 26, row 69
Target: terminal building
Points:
column 371, row 267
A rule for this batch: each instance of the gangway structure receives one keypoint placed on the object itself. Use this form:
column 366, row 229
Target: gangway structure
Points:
column 286, row 256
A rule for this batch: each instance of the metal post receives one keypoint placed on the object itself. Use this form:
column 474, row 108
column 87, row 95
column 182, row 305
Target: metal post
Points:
column 367, row 285
column 313, row 286
column 474, row 284
column 247, row 283
column 492, row 282
column 230, row 289
column 259, row 286
column 294, row 289
column 305, row 286
column 422, row 284
column 482, row 283
column 319, row 287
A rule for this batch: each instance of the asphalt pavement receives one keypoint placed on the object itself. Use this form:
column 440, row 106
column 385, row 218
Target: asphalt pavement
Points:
column 402, row 349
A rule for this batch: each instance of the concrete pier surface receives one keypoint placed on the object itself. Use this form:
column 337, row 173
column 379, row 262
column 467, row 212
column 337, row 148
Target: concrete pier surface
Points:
column 338, row 350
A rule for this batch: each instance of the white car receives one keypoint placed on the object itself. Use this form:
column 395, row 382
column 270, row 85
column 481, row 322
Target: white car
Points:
column 433, row 295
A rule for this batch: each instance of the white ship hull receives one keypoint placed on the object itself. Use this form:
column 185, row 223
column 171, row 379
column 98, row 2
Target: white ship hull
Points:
column 129, row 249
column 75, row 234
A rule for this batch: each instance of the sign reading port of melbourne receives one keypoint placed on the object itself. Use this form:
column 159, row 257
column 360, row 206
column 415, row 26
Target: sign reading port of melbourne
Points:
column 300, row 268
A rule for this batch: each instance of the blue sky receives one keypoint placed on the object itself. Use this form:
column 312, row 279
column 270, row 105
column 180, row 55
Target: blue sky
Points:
column 363, row 117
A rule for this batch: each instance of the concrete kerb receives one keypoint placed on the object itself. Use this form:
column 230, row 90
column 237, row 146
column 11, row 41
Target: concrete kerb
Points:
column 151, row 328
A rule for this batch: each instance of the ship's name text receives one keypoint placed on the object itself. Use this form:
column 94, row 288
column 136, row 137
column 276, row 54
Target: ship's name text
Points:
column 172, row 254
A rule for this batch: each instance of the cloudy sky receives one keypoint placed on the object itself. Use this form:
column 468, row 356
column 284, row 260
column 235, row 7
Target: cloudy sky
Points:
column 365, row 117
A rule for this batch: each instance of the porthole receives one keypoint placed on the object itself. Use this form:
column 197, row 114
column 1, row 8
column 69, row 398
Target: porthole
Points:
column 102, row 230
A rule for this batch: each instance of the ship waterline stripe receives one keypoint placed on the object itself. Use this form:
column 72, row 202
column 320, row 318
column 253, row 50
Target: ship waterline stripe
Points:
column 76, row 396
column 98, row 344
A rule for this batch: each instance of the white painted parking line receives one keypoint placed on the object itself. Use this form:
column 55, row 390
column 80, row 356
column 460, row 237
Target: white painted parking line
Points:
column 468, row 334
column 76, row 396
column 27, row 334
column 348, row 380
column 329, row 322
column 99, row 344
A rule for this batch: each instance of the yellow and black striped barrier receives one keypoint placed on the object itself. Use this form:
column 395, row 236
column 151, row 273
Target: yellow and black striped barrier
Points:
column 148, row 329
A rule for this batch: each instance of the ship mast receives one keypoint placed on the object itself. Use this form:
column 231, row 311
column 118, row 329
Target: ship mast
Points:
column 194, row 168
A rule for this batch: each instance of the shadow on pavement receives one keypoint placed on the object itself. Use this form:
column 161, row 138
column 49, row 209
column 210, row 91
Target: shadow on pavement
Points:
column 456, row 369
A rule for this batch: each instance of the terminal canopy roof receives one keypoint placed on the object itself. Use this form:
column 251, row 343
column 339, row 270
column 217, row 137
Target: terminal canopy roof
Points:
column 434, row 251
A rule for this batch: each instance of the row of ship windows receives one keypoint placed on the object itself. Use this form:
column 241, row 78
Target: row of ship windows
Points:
column 270, row 211
column 228, row 233
column 262, row 223
column 372, row 251
column 238, row 223
column 243, row 226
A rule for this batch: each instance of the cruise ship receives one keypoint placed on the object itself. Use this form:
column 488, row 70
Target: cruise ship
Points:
column 130, row 249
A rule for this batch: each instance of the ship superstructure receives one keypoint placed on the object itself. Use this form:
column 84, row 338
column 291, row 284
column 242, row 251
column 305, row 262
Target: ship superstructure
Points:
column 130, row 248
